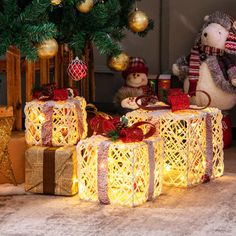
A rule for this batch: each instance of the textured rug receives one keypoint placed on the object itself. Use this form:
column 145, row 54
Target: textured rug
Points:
column 208, row 209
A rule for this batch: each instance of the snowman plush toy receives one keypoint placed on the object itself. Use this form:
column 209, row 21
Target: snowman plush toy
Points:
column 209, row 66
column 136, row 84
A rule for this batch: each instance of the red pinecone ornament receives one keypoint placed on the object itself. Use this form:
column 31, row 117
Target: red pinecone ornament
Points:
column 77, row 69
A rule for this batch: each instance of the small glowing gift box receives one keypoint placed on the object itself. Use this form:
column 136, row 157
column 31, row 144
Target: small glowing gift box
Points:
column 193, row 143
column 119, row 173
column 51, row 170
column 55, row 123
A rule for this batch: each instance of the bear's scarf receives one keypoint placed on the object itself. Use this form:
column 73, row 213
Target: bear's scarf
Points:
column 221, row 66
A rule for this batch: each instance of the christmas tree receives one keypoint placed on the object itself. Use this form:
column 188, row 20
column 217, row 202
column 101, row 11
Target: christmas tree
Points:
column 81, row 24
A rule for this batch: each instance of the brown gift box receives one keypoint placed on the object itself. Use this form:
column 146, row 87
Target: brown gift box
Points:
column 16, row 149
column 51, row 170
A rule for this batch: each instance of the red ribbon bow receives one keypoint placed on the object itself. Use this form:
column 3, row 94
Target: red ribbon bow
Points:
column 115, row 129
column 177, row 100
column 51, row 92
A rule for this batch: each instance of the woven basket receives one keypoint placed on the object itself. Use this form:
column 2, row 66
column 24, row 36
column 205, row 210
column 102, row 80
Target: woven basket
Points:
column 68, row 124
column 184, row 134
column 128, row 170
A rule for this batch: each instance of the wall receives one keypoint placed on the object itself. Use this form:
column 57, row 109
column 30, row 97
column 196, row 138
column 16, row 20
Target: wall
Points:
column 181, row 20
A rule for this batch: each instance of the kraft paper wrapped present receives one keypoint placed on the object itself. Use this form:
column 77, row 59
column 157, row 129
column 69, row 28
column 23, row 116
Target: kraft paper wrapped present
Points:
column 51, row 170
column 55, row 123
column 120, row 173
column 16, row 149
column 193, row 139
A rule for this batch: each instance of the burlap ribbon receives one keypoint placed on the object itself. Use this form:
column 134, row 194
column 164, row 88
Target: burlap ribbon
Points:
column 49, row 155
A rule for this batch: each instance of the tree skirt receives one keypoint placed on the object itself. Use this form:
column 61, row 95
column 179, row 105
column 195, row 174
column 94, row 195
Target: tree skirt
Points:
column 208, row 209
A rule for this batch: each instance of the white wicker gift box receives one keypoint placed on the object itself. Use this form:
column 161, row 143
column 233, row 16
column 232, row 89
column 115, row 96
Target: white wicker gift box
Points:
column 119, row 173
column 55, row 123
column 193, row 143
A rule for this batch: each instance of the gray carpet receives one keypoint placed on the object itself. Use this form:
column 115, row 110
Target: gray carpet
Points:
column 208, row 209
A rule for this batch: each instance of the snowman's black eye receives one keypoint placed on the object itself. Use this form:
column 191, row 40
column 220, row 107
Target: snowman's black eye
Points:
column 219, row 32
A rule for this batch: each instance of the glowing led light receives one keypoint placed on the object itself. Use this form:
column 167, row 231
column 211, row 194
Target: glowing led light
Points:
column 41, row 118
column 168, row 168
column 102, row 166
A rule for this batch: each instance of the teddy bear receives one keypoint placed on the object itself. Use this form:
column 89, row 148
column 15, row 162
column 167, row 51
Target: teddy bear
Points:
column 136, row 84
column 209, row 66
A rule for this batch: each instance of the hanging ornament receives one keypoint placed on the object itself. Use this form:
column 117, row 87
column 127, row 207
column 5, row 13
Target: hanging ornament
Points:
column 119, row 63
column 48, row 48
column 138, row 21
column 85, row 6
column 77, row 69
column 56, row 2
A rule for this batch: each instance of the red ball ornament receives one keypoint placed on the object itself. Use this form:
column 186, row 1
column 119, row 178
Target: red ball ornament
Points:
column 77, row 69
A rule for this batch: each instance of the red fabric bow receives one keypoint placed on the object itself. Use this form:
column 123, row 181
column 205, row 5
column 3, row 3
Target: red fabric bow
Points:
column 60, row 94
column 131, row 135
column 115, row 129
column 51, row 92
column 178, row 100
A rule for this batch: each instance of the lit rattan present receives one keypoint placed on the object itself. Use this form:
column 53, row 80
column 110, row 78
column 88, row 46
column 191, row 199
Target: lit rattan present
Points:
column 193, row 143
column 119, row 173
column 55, row 123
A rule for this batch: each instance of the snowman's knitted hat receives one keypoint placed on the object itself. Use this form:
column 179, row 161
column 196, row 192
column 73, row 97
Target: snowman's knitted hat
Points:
column 136, row 65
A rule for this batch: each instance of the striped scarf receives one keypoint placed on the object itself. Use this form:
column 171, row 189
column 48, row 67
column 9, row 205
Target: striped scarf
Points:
column 230, row 44
column 198, row 52
column 196, row 55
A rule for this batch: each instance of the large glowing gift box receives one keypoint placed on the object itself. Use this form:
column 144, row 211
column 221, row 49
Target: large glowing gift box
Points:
column 55, row 123
column 119, row 173
column 193, row 143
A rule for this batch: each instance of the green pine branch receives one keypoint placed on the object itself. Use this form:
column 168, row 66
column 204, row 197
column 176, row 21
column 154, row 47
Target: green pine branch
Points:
column 25, row 23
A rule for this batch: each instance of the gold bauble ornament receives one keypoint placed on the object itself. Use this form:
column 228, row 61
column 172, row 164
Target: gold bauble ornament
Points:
column 119, row 63
column 85, row 6
column 48, row 48
column 138, row 21
column 56, row 2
